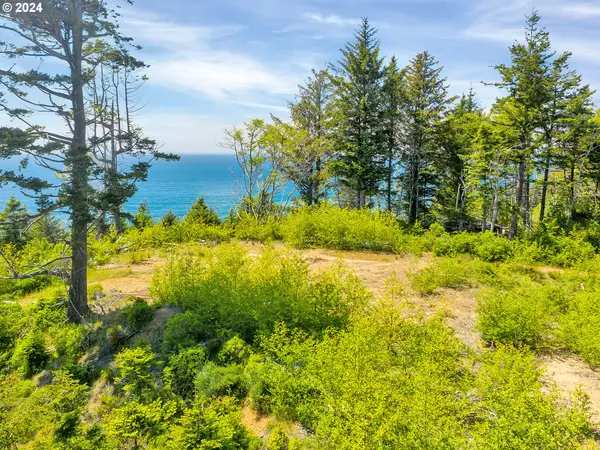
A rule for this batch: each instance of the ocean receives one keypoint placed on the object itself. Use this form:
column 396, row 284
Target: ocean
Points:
column 171, row 185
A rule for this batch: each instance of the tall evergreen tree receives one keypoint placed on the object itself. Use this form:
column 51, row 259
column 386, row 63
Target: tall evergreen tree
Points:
column 312, row 112
column 427, row 103
column 63, row 33
column 392, row 118
column 526, row 81
column 360, row 163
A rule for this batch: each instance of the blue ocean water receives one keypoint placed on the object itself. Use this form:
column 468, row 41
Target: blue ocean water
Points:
column 171, row 185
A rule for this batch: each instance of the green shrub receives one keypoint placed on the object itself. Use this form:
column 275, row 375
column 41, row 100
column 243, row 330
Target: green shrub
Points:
column 491, row 247
column 169, row 219
column 514, row 411
column 201, row 213
column 226, row 290
column 220, row 381
column 343, row 229
column 215, row 425
column 50, row 310
column 182, row 370
column 183, row 331
column 581, row 324
column 116, row 336
column 138, row 314
column 68, row 342
column 134, row 371
column 446, row 273
column 524, row 315
column 277, row 440
column 234, row 351
column 247, row 227
column 30, row 355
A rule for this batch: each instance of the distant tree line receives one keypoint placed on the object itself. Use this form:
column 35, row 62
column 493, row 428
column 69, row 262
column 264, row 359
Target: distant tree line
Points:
column 365, row 132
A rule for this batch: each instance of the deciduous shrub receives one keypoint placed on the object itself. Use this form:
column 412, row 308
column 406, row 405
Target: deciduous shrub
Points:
column 447, row 273
column 30, row 354
column 523, row 315
column 226, row 289
column 183, row 369
column 343, row 229
column 138, row 314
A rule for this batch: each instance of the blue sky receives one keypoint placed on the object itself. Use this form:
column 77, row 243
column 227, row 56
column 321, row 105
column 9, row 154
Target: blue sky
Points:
column 218, row 63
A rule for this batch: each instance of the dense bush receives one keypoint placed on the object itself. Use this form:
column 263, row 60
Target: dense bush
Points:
column 524, row 315
column 201, row 213
column 226, row 289
column 343, row 229
column 160, row 235
column 183, row 369
column 581, row 324
column 447, row 273
column 30, row 354
column 138, row 314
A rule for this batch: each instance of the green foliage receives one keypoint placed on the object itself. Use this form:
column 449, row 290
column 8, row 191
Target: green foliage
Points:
column 136, row 423
column 234, row 351
column 277, row 440
column 444, row 273
column 134, row 371
column 220, row 381
column 183, row 331
column 183, row 369
column 215, row 425
column 68, row 341
column 524, row 315
column 169, row 219
column 513, row 412
column 30, row 354
column 247, row 227
column 579, row 325
column 159, row 236
column 138, row 314
column 142, row 218
column 48, row 415
column 14, row 230
column 343, row 229
column 226, row 289
column 201, row 213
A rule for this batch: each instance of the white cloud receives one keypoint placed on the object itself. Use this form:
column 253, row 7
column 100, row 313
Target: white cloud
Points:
column 504, row 20
column 219, row 75
column 184, row 132
column 187, row 58
column 331, row 19
column 584, row 10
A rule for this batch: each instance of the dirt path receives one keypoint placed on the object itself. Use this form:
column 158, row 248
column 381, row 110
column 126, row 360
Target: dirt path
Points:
column 136, row 282
column 459, row 306
column 570, row 373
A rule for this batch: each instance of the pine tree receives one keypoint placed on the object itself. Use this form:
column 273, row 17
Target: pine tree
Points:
column 201, row 213
column 360, row 162
column 64, row 34
column 312, row 112
column 427, row 102
column 13, row 221
column 526, row 81
column 456, row 140
column 392, row 118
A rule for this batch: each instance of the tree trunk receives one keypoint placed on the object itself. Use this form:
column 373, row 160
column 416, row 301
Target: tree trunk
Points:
column 544, row 192
column 514, row 222
column 389, row 182
column 572, row 191
column 80, row 217
column 495, row 206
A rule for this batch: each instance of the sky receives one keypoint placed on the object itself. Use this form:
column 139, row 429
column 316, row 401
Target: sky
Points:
column 218, row 63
